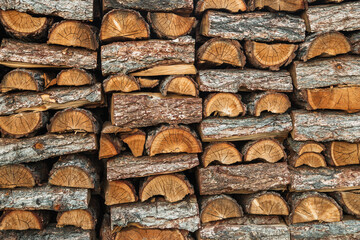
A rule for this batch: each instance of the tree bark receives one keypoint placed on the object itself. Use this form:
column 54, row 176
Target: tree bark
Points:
column 355, row 42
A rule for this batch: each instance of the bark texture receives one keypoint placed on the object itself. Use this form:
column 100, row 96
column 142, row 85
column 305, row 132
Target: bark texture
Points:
column 355, row 42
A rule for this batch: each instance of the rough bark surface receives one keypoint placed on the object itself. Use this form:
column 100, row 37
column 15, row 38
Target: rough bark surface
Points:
column 355, row 42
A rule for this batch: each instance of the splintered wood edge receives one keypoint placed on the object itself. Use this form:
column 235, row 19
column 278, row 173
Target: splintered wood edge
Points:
column 175, row 69
column 13, row 64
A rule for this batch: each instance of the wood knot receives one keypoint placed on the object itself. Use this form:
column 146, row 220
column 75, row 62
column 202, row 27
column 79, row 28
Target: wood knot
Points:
column 39, row 146
column 57, row 207
column 338, row 66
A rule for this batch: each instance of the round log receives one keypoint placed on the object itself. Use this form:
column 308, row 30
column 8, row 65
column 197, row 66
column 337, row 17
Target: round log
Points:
column 343, row 153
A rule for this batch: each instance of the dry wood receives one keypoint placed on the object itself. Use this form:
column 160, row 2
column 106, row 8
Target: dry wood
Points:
column 151, row 234
column 349, row 202
column 355, row 42
column 342, row 153
column 148, row 82
column 23, row 79
column 118, row 192
column 311, row 159
column 172, row 139
column 121, row 83
column 278, row 5
column 228, row 5
column 268, row 101
column 23, row 220
column 109, row 146
column 259, row 26
column 268, row 150
column 223, row 105
column 74, row 77
column 108, row 128
column 135, row 141
column 183, row 85
column 221, row 152
column 166, row 70
column 304, row 147
column 243, row 178
column 127, row 166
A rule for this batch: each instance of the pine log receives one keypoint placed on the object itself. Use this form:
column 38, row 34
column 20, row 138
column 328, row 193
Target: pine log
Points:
column 277, row 5
column 233, row 80
column 23, row 220
column 324, row 18
column 127, row 166
column 259, row 26
column 224, row 153
column 121, row 83
column 74, row 77
column 179, row 84
column 228, row 5
column 268, row 150
column 14, row 53
column 304, row 147
column 55, row 98
column 311, row 159
column 349, row 201
column 43, row 147
column 110, row 146
column 123, row 57
column 243, row 178
column 355, row 42
column 342, row 153
column 45, row 198
column 223, row 105
column 272, row 102
column 135, row 233
column 325, row 126
column 118, row 192
column 160, row 214
column 247, row 128
column 135, row 141
column 23, row 80
column 148, row 82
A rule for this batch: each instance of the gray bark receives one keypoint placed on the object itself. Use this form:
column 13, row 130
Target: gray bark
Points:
column 355, row 42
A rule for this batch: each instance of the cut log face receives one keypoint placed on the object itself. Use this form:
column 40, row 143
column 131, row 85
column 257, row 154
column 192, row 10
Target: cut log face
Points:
column 74, row 77
column 17, row 175
column 304, row 147
column 219, row 51
column 220, row 207
column 222, row 152
column 109, row 146
column 80, row 218
column 149, row 234
column 122, row 24
column 265, row 203
column 147, row 82
column 172, row 139
column 23, row 80
column 278, row 5
column 74, row 34
column 310, row 159
column 349, row 201
column 170, row 25
column 136, row 142
column 268, row 101
column 224, row 105
column 343, row 153
column 117, row 192
column 183, row 85
column 228, row 5
column 21, row 220
column 173, row 187
column 268, row 150
column 121, row 83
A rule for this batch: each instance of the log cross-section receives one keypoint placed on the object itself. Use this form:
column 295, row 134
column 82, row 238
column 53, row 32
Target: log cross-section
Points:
column 74, row 77
column 278, row 5
column 221, row 152
column 23, row 220
column 118, row 192
column 269, row 150
column 268, row 101
column 343, row 153
column 23, row 79
column 223, row 105
column 228, row 5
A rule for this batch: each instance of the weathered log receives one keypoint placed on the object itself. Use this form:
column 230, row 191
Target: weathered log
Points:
column 223, row 105
column 110, row 146
column 278, row 5
column 311, row 159
column 127, row 166
column 304, row 147
column 246, row 128
column 123, row 57
column 160, row 214
column 268, row 150
column 349, row 201
column 148, row 82
column 74, row 77
column 105, row 230
column 43, row 147
column 233, row 80
column 23, row 220
column 143, row 233
column 355, row 42
column 118, row 192
column 228, row 5
column 121, row 83
column 183, row 85
column 243, row 178
column 268, row 101
column 135, row 141
column 259, row 26
column 108, row 128
column 342, row 153
column 221, row 152
column 15, row 53
column 23, row 79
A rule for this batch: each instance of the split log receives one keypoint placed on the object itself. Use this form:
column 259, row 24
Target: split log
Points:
column 220, row 51
column 272, row 102
column 43, row 147
column 135, row 141
column 56, row 98
column 170, row 25
column 160, row 214
column 268, row 150
column 325, row 179
column 183, row 85
column 304, row 147
column 108, row 128
column 121, row 83
column 110, row 146
column 148, row 83
column 324, row 18
column 313, row 206
column 311, row 159
column 166, row 70
column 22, row 124
column 23, row 80
column 247, row 128
column 323, row 45
column 23, row 220
column 75, row 171
column 355, row 42
column 15, row 53
column 270, row 56
column 259, row 26
column 349, row 202
column 74, row 34
column 325, row 126
column 223, row 105
column 343, row 153
column 45, row 198
column 151, row 234
column 265, row 203
column 233, row 6
column 127, row 166
column 326, row 72
column 123, row 57
column 74, row 77
column 82, row 218
column 243, row 178
column 118, row 192
column 172, row 139
column 122, row 24
column 219, row 207
column 233, row 80
column 221, row 152
column 278, row 5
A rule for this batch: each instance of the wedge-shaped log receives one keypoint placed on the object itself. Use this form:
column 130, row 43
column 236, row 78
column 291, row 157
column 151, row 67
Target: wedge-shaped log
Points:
column 182, row 85
column 135, row 141
column 233, row 80
column 15, row 53
column 304, row 147
column 268, row 150
column 160, row 214
column 143, row 233
column 349, row 201
column 127, row 166
column 110, row 146
column 23, row 220
column 311, row 159
column 355, row 42
column 268, row 101
column 278, row 5
column 260, row 26
column 148, row 82
column 243, row 178
column 221, row 152
column 118, row 192
column 228, row 5
column 121, row 83
column 43, row 147
column 23, row 80
column 342, row 153
column 166, row 70
column 223, row 105
column 247, row 128
column 74, row 77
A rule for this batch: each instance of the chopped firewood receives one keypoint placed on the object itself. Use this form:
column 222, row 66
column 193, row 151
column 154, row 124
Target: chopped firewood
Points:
column 270, row 56
column 121, row 83
column 323, row 45
column 265, row 203
column 278, row 5
column 117, row 192
column 311, row 159
column 172, row 139
column 73, row 34
column 23, row 79
column 252, row 26
column 233, row 6
column 223, row 105
column 170, row 25
column 272, row 102
column 109, row 128
column 80, row 218
column 355, row 42
column 269, row 150
column 221, row 152
column 110, row 146
column 23, row 220
column 219, row 51
column 148, row 83
column 135, row 141
column 173, row 187
column 166, row 70
column 219, row 207
column 135, row 233
column 234, row 80
column 349, row 201
column 74, row 77
column 122, row 24
column 247, row 178
column 313, row 206
column 183, row 85
column 304, row 147
column 75, row 171
column 343, row 153
column 128, row 166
